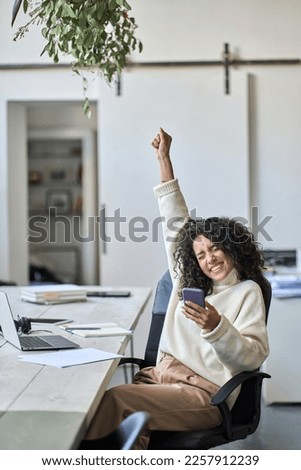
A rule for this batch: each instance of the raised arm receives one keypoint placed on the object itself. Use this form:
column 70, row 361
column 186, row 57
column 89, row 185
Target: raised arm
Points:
column 161, row 144
column 172, row 204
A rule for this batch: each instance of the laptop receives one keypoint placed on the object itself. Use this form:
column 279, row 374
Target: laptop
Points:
column 28, row 343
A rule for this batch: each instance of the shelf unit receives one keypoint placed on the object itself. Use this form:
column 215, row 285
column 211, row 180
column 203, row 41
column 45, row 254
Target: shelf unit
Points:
column 55, row 175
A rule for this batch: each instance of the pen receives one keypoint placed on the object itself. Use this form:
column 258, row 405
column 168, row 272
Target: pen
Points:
column 83, row 328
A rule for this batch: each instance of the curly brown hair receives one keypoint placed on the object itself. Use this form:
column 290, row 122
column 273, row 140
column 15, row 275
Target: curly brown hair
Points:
column 232, row 237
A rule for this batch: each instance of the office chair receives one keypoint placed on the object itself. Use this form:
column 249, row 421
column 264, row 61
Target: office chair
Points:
column 237, row 423
column 123, row 438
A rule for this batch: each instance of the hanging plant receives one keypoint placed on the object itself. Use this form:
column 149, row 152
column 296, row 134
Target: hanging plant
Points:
column 98, row 35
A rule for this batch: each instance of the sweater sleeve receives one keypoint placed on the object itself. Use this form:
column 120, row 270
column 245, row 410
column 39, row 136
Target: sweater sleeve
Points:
column 243, row 344
column 174, row 213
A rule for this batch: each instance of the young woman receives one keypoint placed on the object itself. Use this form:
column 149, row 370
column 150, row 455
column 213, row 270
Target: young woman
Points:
column 200, row 348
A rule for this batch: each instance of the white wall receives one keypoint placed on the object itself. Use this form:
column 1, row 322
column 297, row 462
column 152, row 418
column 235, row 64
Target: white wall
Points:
column 196, row 29
column 255, row 29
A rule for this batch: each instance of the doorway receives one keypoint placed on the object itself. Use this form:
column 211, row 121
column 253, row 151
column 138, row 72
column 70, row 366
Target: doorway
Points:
column 59, row 172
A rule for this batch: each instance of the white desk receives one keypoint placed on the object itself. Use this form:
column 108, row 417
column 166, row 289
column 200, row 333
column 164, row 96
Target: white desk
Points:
column 283, row 363
column 43, row 407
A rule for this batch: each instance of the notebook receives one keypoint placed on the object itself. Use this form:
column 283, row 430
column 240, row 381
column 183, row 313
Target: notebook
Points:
column 53, row 294
column 96, row 329
column 28, row 343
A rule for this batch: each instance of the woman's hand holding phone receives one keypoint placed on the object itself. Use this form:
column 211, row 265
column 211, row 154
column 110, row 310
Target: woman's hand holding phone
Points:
column 195, row 308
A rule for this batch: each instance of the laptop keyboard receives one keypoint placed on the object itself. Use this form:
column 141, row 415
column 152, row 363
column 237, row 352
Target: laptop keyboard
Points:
column 31, row 342
column 38, row 342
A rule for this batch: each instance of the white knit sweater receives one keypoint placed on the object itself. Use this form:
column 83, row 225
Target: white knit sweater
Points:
column 239, row 342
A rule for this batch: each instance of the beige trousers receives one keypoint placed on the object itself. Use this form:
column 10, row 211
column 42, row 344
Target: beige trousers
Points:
column 176, row 397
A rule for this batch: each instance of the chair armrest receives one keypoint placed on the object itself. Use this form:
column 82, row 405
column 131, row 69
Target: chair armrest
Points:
column 224, row 392
column 132, row 360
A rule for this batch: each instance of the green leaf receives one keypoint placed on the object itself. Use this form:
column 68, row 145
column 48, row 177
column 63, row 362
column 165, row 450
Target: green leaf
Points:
column 88, row 40
column 86, row 108
column 112, row 5
column 25, row 6
column 124, row 3
column 100, row 10
column 44, row 32
column 67, row 11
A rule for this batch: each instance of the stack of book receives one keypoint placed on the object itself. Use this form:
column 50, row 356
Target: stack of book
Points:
column 53, row 294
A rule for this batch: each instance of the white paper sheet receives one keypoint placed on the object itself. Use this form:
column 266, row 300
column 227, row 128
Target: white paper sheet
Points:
column 68, row 358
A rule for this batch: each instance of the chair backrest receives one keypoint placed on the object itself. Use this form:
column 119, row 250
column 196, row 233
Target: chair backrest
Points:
column 161, row 300
column 266, row 290
column 250, row 392
column 130, row 429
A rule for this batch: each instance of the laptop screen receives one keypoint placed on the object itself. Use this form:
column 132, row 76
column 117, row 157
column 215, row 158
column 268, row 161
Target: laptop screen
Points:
column 7, row 321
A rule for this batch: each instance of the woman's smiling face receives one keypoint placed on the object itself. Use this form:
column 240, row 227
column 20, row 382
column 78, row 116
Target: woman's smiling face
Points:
column 214, row 263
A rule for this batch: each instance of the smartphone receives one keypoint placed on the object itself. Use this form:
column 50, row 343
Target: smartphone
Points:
column 194, row 295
